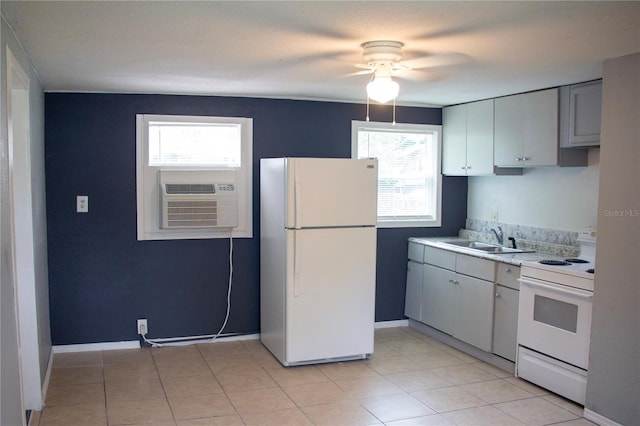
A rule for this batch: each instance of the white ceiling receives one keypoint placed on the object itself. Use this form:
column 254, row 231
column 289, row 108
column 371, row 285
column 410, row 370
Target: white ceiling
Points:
column 307, row 49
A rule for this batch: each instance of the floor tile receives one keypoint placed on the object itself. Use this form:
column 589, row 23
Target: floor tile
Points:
column 191, row 385
column 419, row 380
column 434, row 359
column 536, row 411
column 367, row 387
column 289, row 416
column 390, row 365
column 258, row 401
column 340, row 413
column 131, row 412
column 482, row 416
column 464, row 374
column 448, row 399
column 528, row 386
column 75, row 394
column 496, row 391
column 396, row 407
column 292, row 376
column 432, row 420
column 77, row 359
column 137, row 390
column 76, row 376
column 127, row 356
column 197, row 406
column 410, row 345
column 411, row 379
column 84, row 414
column 315, row 393
column 346, row 370
column 571, row 406
column 232, row 381
column 234, row 420
column 93, row 414
column 182, row 367
column 130, row 372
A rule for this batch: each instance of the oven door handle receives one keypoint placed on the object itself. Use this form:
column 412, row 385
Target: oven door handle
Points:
column 559, row 288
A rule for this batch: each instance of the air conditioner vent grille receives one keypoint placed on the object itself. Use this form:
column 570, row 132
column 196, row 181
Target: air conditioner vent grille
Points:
column 191, row 188
column 192, row 213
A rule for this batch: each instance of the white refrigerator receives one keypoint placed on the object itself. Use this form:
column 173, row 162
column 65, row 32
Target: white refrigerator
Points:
column 317, row 258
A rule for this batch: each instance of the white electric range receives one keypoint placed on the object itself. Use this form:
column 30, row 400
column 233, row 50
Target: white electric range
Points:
column 554, row 323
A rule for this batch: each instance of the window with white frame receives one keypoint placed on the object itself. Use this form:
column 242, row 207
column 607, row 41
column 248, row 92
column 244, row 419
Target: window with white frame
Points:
column 409, row 178
column 193, row 177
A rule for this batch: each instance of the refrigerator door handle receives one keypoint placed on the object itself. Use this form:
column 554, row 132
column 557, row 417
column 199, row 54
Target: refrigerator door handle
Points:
column 298, row 204
column 296, row 266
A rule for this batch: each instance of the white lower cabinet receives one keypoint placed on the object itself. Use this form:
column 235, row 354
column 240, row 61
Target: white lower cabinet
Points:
column 413, row 295
column 473, row 311
column 505, row 325
column 456, row 295
column 438, row 303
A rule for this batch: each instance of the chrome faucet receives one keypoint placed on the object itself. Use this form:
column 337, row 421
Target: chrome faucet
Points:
column 499, row 235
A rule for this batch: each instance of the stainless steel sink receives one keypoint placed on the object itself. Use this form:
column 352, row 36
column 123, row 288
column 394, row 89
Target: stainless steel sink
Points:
column 485, row 247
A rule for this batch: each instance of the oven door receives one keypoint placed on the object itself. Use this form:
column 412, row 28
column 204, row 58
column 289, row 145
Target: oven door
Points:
column 555, row 320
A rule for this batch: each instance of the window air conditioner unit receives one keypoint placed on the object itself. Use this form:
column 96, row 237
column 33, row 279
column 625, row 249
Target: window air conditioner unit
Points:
column 199, row 205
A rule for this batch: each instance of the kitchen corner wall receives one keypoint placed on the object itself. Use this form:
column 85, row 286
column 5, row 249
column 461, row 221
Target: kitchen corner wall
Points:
column 102, row 279
column 563, row 198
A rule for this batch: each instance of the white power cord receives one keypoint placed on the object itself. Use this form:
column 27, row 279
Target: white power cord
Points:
column 210, row 337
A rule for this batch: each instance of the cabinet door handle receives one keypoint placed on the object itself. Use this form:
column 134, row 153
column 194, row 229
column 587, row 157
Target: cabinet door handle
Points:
column 497, row 294
column 452, row 281
column 508, row 270
column 468, row 167
column 518, row 159
column 463, row 168
column 527, row 158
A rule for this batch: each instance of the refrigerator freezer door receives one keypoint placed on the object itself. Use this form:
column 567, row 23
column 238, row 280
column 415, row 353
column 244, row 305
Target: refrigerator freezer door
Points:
column 330, row 301
column 331, row 192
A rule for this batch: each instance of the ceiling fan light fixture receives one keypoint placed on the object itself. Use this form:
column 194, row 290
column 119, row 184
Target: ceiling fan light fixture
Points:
column 382, row 89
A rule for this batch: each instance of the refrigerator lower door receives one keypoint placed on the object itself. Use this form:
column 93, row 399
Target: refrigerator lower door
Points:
column 330, row 300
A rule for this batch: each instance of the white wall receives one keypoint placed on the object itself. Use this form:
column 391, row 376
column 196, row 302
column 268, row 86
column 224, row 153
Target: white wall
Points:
column 35, row 328
column 564, row 198
column 613, row 384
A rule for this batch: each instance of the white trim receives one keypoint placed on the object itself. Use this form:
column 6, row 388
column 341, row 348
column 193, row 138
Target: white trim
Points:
column 391, row 324
column 47, row 376
column 89, row 347
column 598, row 418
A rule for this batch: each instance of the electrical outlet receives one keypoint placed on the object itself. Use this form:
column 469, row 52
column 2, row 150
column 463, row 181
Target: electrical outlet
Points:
column 82, row 204
column 495, row 215
column 142, row 327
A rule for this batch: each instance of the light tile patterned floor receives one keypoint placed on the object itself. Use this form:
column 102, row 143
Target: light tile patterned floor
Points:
column 411, row 380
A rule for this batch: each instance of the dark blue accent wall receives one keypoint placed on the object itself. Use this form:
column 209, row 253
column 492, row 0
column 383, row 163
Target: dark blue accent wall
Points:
column 102, row 279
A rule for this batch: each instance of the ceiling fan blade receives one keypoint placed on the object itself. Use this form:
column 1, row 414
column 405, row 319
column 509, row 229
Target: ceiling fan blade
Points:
column 436, row 60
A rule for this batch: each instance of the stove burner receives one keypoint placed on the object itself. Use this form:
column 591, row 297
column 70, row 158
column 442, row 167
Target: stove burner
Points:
column 554, row 262
column 576, row 261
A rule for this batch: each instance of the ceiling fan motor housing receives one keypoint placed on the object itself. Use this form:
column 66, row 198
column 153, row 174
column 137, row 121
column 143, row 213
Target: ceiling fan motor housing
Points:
column 381, row 52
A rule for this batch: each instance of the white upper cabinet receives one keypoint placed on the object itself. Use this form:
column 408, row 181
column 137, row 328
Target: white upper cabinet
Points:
column 580, row 109
column 526, row 129
column 467, row 142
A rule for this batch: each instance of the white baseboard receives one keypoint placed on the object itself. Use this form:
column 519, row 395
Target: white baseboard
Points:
column 391, row 324
column 598, row 418
column 134, row 344
column 88, row 347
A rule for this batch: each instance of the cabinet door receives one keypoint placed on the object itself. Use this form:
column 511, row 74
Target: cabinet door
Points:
column 505, row 325
column 437, row 298
column 413, row 295
column 508, row 144
column 585, row 106
column 539, row 115
column 480, row 138
column 473, row 311
column 454, row 140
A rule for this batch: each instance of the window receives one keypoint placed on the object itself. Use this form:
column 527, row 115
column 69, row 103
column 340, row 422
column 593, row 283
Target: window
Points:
column 191, row 152
column 409, row 179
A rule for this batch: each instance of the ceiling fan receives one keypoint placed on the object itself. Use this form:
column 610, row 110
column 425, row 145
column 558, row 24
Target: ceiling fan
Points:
column 383, row 61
